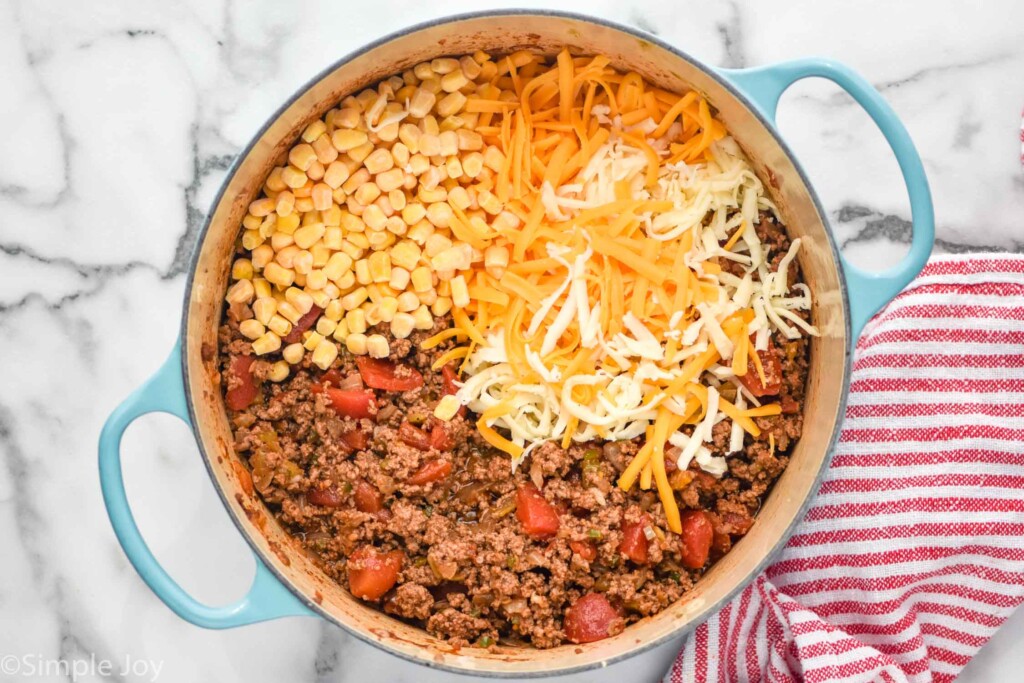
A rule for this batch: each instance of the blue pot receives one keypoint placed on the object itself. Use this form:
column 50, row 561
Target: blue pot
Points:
column 287, row 583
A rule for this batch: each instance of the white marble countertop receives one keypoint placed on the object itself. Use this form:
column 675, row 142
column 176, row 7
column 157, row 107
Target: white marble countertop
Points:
column 118, row 121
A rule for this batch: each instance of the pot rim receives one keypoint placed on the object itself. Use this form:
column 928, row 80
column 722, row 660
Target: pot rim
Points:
column 640, row 34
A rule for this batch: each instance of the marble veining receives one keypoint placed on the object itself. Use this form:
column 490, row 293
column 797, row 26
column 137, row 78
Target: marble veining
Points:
column 120, row 119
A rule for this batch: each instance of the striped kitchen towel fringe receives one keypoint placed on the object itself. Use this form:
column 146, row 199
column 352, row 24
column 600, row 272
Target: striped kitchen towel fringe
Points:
column 912, row 554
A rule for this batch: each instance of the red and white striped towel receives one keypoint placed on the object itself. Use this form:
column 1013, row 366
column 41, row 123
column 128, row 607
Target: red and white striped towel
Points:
column 912, row 554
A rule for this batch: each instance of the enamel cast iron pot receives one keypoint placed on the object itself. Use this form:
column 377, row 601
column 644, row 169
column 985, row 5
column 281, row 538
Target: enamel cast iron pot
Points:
column 287, row 582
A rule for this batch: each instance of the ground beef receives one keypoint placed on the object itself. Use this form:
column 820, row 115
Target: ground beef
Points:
column 469, row 573
column 410, row 601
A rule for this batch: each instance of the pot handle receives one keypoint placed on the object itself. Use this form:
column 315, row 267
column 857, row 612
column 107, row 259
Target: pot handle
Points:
column 868, row 291
column 267, row 597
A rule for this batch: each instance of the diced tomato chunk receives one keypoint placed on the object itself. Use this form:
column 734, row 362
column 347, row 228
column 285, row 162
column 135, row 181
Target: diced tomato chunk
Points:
column 355, row 439
column 634, row 540
column 450, row 388
column 772, row 373
column 368, row 498
column 439, row 438
column 414, row 436
column 592, row 618
column 738, row 524
column 695, row 540
column 584, row 549
column 431, row 471
column 385, row 375
column 328, row 498
column 448, row 379
column 243, row 391
column 789, row 405
column 721, row 543
column 303, row 324
column 355, row 404
column 372, row 573
column 535, row 513
column 332, row 377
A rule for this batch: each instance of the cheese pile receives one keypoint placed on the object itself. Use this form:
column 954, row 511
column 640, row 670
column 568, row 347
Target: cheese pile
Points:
column 616, row 316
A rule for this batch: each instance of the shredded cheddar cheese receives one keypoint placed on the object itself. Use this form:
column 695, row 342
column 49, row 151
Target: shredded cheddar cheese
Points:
column 634, row 291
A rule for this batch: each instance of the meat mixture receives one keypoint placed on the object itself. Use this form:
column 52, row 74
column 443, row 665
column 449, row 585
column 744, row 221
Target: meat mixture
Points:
column 426, row 521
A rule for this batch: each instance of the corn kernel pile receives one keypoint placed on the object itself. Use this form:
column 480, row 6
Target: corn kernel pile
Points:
column 359, row 221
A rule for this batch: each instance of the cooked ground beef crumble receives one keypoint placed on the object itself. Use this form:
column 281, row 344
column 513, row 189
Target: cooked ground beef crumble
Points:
column 433, row 503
